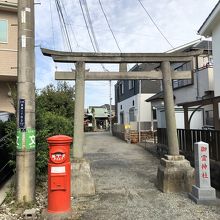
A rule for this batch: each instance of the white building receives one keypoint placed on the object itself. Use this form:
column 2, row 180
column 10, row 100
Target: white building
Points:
column 130, row 96
column 200, row 87
column 211, row 28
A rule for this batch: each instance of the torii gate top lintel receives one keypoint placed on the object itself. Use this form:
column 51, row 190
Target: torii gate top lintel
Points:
column 88, row 57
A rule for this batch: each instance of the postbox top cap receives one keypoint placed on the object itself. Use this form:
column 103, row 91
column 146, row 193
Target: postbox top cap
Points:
column 60, row 139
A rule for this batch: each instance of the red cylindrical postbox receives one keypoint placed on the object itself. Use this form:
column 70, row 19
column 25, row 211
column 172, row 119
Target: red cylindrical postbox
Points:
column 59, row 174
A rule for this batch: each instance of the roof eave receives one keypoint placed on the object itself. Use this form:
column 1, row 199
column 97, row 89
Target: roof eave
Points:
column 12, row 7
column 210, row 22
column 206, row 30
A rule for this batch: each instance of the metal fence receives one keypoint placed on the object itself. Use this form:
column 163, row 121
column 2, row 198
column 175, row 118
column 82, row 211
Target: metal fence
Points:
column 187, row 138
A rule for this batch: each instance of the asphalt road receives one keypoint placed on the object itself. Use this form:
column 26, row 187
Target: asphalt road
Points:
column 125, row 177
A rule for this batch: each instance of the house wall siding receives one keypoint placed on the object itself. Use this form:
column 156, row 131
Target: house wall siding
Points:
column 8, row 60
column 216, row 59
column 147, row 86
column 189, row 93
column 196, row 121
column 8, row 51
column 125, row 105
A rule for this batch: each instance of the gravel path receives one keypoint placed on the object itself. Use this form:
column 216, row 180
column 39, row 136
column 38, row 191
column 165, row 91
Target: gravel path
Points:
column 125, row 176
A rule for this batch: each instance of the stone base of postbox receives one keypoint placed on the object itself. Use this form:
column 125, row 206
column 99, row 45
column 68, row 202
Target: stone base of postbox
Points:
column 175, row 174
column 82, row 183
column 205, row 196
column 45, row 215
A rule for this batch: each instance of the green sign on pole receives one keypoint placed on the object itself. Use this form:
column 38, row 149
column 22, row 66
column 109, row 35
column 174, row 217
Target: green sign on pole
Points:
column 26, row 139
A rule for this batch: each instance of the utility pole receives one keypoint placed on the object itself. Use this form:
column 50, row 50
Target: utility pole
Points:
column 25, row 157
column 139, row 112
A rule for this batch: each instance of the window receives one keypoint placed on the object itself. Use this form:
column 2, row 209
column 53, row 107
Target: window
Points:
column 181, row 82
column 131, row 114
column 3, row 31
column 130, row 84
column 121, row 88
column 154, row 113
column 122, row 118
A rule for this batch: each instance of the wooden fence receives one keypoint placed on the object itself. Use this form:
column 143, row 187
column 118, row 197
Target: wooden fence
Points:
column 187, row 138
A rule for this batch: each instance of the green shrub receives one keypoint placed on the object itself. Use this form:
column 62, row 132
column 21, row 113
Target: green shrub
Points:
column 11, row 132
column 47, row 125
column 54, row 115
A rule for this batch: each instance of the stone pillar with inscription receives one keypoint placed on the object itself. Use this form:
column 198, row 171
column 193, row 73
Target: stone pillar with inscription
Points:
column 202, row 192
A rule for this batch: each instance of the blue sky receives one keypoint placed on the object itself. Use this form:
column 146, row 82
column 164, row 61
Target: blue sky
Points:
column 179, row 21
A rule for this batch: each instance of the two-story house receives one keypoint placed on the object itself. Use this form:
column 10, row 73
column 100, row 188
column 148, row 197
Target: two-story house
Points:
column 211, row 28
column 8, row 55
column 130, row 96
column 199, row 87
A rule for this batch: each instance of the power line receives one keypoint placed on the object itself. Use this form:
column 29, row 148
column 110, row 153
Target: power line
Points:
column 125, row 32
column 92, row 32
column 91, row 26
column 155, row 24
column 103, row 11
column 62, row 31
column 62, row 20
column 52, row 25
column 87, row 25
column 73, row 33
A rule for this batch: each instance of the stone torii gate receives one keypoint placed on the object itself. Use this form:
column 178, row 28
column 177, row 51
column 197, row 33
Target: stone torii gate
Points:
column 174, row 173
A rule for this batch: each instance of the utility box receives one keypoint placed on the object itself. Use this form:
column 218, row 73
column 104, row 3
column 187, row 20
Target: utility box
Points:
column 59, row 175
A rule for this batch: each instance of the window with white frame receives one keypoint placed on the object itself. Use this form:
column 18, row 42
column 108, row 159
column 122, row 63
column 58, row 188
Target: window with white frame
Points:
column 3, row 31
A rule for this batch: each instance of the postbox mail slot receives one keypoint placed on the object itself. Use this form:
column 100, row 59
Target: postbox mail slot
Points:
column 58, row 157
column 58, row 182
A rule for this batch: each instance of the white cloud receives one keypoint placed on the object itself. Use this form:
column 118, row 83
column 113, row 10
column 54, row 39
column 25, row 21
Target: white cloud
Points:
column 178, row 19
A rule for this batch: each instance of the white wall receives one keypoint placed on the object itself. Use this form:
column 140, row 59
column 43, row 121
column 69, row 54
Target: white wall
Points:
column 145, row 110
column 189, row 93
column 124, row 107
column 216, row 60
column 196, row 121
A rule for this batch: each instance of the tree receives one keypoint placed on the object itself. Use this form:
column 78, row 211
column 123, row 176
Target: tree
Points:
column 54, row 115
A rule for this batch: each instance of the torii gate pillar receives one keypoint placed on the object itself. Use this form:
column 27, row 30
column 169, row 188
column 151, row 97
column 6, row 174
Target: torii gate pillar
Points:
column 79, row 111
column 174, row 173
column 82, row 181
